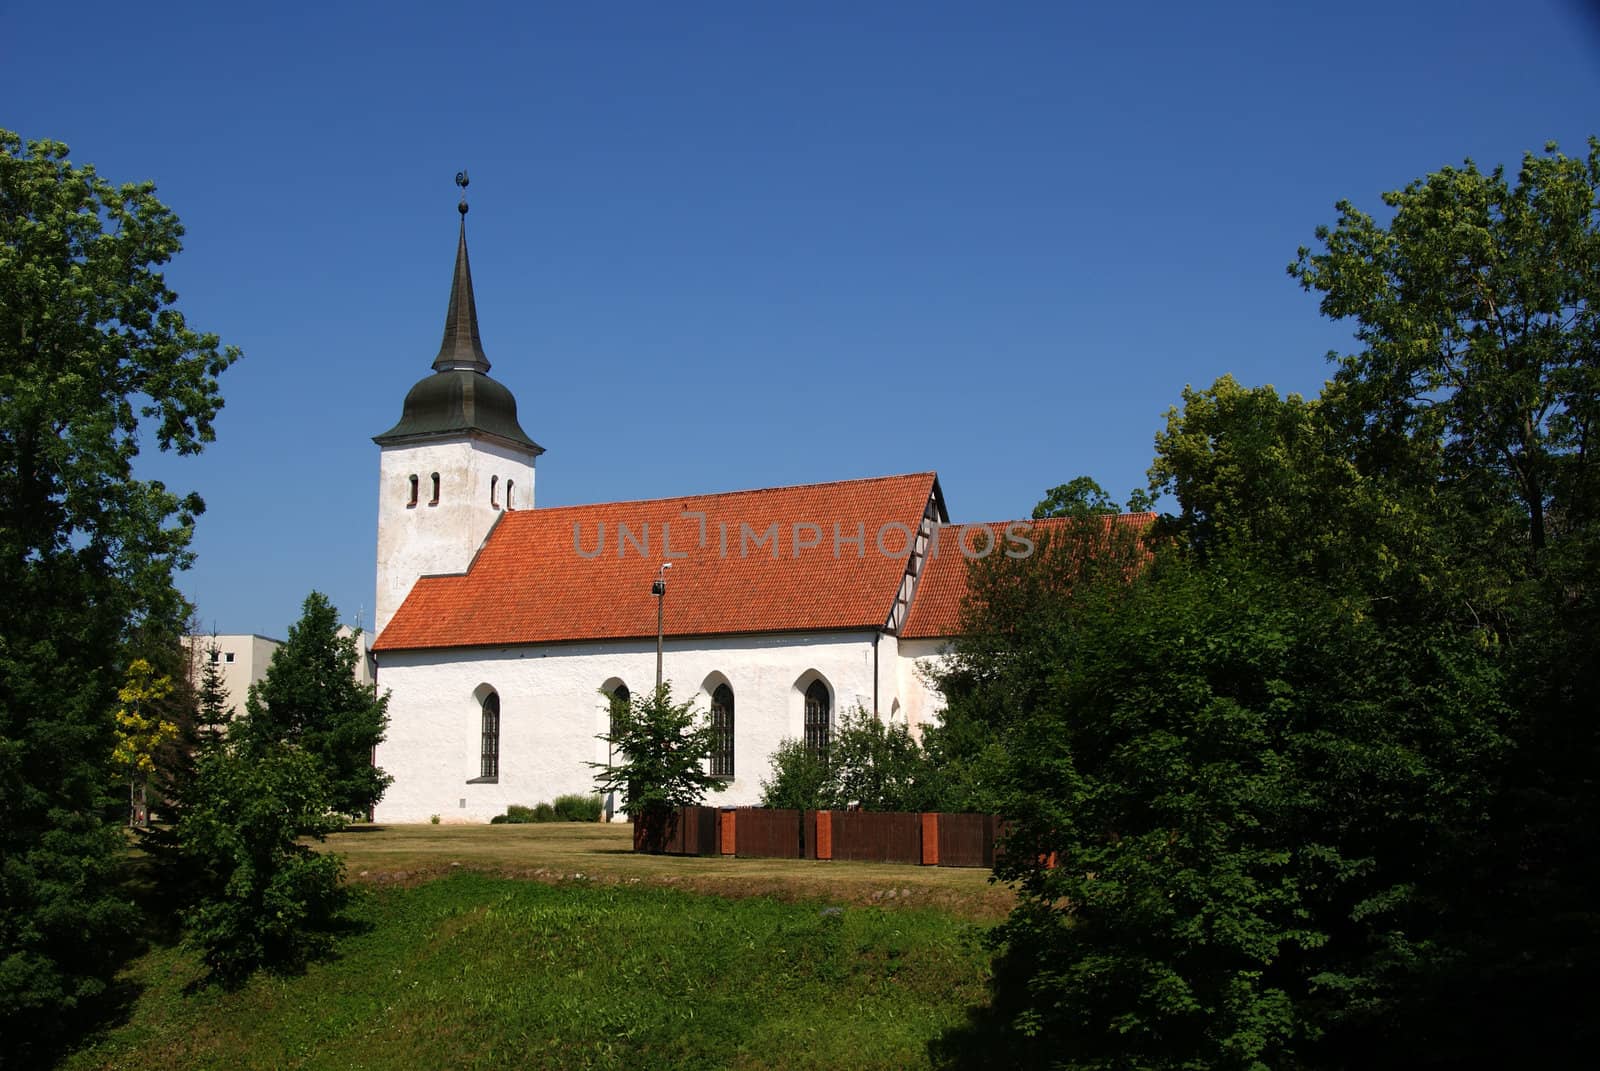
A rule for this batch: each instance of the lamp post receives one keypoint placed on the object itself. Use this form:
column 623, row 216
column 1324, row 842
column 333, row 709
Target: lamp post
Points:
column 659, row 590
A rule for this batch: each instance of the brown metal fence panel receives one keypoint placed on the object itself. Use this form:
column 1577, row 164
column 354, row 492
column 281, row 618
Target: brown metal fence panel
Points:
column 808, row 835
column 966, row 839
column 693, row 831
column 768, row 834
column 881, row 837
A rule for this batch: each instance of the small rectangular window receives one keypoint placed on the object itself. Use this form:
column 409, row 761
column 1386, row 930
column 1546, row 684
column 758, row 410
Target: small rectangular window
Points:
column 228, row 657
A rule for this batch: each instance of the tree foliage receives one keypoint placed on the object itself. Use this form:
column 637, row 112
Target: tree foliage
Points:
column 94, row 359
column 141, row 733
column 265, row 898
column 1315, row 786
column 868, row 764
column 311, row 699
column 660, row 753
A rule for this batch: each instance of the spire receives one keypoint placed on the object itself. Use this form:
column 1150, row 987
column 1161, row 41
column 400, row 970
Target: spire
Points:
column 461, row 347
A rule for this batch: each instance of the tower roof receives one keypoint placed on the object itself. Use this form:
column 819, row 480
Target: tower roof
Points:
column 461, row 348
column 459, row 398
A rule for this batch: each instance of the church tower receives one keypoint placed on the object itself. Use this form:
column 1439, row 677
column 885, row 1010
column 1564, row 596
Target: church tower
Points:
column 456, row 460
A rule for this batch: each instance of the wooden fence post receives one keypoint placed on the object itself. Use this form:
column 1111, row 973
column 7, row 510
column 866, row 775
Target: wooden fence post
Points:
column 930, row 839
column 728, row 832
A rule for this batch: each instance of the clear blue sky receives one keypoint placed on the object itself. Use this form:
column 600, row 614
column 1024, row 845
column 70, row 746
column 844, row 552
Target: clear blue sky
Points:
column 735, row 245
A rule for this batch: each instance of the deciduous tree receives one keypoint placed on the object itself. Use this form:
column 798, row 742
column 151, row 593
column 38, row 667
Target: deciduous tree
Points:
column 95, row 359
column 660, row 750
column 141, row 732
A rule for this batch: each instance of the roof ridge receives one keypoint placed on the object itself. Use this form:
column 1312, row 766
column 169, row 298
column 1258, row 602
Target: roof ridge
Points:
column 729, row 494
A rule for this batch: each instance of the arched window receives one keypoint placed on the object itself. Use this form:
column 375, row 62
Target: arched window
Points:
column 722, row 731
column 413, row 501
column 620, row 697
column 490, row 767
column 509, row 485
column 818, row 709
column 435, row 500
column 492, row 481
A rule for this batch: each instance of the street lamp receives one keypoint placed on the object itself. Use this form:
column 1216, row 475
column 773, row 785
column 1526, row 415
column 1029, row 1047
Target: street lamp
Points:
column 659, row 590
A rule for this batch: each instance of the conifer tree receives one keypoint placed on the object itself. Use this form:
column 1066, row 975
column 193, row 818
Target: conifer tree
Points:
column 310, row 698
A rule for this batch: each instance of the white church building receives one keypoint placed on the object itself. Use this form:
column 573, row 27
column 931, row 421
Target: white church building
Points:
column 503, row 628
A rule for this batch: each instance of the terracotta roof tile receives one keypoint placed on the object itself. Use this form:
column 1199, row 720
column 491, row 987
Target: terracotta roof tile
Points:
column 532, row 583
column 936, row 608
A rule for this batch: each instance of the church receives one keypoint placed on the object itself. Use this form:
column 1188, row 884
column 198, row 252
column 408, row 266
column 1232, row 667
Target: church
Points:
column 504, row 631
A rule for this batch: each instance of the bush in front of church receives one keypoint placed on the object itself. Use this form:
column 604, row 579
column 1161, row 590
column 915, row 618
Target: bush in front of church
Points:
column 575, row 807
column 572, row 807
column 866, row 764
column 265, row 897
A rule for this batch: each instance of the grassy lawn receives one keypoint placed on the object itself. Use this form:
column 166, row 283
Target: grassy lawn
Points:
column 603, row 853
column 477, row 970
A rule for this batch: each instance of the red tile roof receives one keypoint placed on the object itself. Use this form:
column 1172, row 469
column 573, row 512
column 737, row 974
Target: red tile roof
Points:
column 936, row 607
column 530, row 583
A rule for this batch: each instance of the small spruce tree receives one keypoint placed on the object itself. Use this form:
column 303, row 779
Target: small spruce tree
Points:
column 311, row 699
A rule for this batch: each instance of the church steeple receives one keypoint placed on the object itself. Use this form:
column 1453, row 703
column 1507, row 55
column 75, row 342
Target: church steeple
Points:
column 461, row 348
column 456, row 462
column 459, row 398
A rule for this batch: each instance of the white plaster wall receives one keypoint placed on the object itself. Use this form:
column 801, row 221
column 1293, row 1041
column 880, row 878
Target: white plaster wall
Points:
column 920, row 702
column 419, row 540
column 251, row 656
column 551, row 712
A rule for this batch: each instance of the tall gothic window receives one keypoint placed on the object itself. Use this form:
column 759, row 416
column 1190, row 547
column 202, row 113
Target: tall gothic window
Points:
column 510, row 486
column 620, row 698
column 491, row 736
column 435, row 500
column 818, row 709
column 492, row 481
column 722, row 731
column 413, row 500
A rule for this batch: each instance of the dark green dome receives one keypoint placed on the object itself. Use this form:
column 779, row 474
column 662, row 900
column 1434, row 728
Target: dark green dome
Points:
column 454, row 401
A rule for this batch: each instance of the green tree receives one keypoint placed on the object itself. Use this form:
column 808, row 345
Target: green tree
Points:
column 311, row 699
column 1077, row 497
column 1317, row 783
column 1011, row 642
column 1476, row 387
column 200, row 733
column 213, row 712
column 869, row 764
column 264, row 897
column 141, row 732
column 799, row 778
column 660, row 753
column 94, row 359
column 1476, row 309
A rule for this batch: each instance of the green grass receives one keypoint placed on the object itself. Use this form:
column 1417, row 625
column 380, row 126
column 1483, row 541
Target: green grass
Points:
column 475, row 971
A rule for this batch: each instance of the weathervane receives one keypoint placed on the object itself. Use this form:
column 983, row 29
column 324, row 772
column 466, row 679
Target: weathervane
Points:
column 462, row 180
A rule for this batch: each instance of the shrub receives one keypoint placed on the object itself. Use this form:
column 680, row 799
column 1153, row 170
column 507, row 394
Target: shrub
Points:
column 515, row 815
column 544, row 813
column 265, row 898
column 869, row 764
column 575, row 807
column 800, row 779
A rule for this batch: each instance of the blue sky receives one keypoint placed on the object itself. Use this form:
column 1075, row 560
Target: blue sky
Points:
column 737, row 245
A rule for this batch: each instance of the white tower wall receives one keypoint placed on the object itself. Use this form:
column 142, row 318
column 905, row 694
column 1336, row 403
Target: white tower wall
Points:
column 428, row 537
